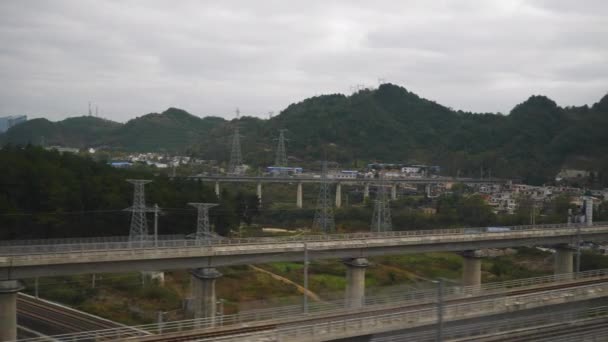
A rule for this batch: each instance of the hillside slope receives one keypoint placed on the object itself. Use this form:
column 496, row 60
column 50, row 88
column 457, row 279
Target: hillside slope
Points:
column 388, row 124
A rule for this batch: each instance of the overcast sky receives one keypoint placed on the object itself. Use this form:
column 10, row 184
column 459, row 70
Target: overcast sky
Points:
column 209, row 57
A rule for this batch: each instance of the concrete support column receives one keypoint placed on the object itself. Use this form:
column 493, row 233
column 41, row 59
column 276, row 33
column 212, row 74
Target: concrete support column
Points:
column 299, row 196
column 355, row 282
column 427, row 190
column 203, row 293
column 471, row 269
column 563, row 260
column 365, row 191
column 588, row 212
column 394, row 192
column 338, row 195
column 8, row 309
column 153, row 276
column 259, row 192
column 217, row 189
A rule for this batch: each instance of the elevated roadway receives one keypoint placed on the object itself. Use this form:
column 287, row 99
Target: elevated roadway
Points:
column 19, row 262
column 309, row 179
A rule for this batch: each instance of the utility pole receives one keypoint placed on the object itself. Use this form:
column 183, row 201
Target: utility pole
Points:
column 578, row 250
column 139, row 225
column 203, row 227
column 533, row 212
column 236, row 159
column 439, row 283
column 305, row 278
column 381, row 218
column 155, row 225
column 324, row 216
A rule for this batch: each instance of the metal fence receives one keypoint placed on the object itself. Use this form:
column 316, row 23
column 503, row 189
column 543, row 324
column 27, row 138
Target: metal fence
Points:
column 466, row 234
column 505, row 325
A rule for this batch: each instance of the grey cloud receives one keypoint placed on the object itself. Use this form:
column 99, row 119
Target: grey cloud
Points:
column 134, row 57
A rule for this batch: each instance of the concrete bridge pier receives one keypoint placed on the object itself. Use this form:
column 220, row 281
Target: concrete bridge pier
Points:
column 427, row 190
column 365, row 191
column 471, row 269
column 8, row 309
column 203, row 293
column 338, row 195
column 563, row 259
column 355, row 282
column 217, row 189
column 394, row 192
column 299, row 196
column 259, row 192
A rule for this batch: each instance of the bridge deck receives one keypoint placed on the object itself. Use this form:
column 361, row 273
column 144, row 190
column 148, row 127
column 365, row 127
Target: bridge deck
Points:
column 38, row 261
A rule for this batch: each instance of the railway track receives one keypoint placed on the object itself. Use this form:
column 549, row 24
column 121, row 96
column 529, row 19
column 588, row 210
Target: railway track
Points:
column 345, row 315
column 53, row 319
column 564, row 332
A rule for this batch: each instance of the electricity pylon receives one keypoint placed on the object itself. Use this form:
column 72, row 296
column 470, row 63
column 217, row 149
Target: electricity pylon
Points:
column 236, row 159
column 324, row 216
column 281, row 157
column 381, row 218
column 203, row 228
column 139, row 224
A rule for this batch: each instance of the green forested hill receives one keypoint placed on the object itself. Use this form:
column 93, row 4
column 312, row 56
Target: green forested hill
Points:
column 388, row 124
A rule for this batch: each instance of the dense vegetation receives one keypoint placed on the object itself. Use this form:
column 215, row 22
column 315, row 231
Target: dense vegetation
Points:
column 387, row 124
column 45, row 194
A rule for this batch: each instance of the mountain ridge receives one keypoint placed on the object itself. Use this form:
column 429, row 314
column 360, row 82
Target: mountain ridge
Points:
column 389, row 123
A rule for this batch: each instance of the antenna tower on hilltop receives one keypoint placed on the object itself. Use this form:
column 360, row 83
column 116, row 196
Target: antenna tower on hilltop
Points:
column 203, row 228
column 139, row 224
column 324, row 216
column 381, row 218
column 236, row 159
column 281, row 157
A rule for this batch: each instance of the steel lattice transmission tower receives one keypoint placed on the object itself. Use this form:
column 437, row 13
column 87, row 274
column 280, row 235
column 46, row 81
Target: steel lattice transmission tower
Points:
column 203, row 228
column 139, row 224
column 281, row 158
column 381, row 218
column 236, row 159
column 324, row 216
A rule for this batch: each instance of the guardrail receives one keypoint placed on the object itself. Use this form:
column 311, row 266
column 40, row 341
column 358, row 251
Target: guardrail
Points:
column 80, row 240
column 464, row 332
column 283, row 313
column 402, row 319
column 472, row 232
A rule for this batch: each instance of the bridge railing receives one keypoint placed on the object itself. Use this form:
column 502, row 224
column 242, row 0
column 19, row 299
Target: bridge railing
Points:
column 389, row 301
column 81, row 240
column 406, row 318
column 466, row 331
column 469, row 233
